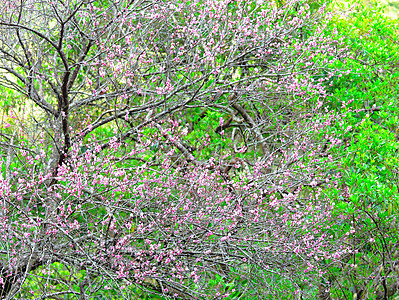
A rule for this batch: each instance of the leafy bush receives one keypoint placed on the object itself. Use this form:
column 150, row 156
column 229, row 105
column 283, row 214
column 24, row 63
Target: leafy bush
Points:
column 368, row 97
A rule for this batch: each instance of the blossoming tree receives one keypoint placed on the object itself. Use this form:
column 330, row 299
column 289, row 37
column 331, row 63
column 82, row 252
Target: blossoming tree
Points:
column 170, row 146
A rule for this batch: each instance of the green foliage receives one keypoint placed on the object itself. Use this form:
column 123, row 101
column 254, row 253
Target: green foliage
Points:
column 368, row 100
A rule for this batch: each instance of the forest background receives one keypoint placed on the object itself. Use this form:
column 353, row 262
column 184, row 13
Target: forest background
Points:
column 268, row 170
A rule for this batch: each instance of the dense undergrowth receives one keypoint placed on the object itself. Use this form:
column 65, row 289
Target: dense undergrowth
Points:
column 368, row 98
